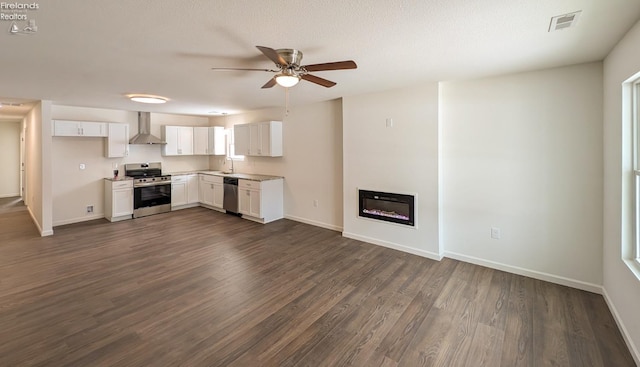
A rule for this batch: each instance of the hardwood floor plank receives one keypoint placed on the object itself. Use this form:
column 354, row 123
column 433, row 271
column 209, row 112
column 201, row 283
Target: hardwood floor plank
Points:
column 311, row 344
column 518, row 336
column 445, row 336
column 606, row 331
column 494, row 312
column 399, row 337
column 485, row 349
column 200, row 288
column 550, row 325
column 363, row 329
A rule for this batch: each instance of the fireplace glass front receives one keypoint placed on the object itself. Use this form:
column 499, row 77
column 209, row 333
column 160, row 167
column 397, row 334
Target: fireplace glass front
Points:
column 388, row 207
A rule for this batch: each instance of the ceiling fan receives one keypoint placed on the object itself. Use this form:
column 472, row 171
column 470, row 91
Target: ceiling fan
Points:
column 290, row 71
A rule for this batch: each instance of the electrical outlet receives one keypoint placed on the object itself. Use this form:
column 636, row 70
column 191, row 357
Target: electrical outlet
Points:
column 89, row 208
column 315, row 203
column 495, row 233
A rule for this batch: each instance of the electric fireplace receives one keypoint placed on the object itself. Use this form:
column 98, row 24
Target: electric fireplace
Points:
column 388, row 207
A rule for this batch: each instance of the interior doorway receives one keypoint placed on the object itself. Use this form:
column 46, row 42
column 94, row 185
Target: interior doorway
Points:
column 11, row 158
column 23, row 176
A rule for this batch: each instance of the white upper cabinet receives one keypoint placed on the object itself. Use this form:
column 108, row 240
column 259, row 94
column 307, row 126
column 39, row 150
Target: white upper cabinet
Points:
column 241, row 140
column 79, row 128
column 201, row 140
column 179, row 140
column 117, row 141
column 208, row 140
column 259, row 139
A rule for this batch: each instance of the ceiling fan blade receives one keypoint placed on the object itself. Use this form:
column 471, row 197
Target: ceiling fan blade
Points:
column 270, row 83
column 338, row 65
column 242, row 69
column 318, row 80
column 272, row 55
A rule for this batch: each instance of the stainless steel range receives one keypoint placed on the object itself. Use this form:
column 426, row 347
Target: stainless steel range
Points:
column 151, row 189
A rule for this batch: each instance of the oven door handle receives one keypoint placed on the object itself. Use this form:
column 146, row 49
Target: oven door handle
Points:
column 151, row 184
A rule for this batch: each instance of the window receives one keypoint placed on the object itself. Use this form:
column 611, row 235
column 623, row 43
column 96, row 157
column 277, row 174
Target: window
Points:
column 635, row 105
column 231, row 153
column 631, row 174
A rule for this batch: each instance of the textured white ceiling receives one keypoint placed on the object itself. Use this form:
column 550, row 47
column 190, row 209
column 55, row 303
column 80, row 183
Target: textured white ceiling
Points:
column 93, row 52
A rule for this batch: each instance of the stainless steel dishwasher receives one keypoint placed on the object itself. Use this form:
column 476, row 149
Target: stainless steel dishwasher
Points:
column 230, row 203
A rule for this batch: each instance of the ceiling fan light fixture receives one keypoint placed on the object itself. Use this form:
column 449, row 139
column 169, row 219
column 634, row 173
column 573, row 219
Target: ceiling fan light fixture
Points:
column 147, row 98
column 287, row 80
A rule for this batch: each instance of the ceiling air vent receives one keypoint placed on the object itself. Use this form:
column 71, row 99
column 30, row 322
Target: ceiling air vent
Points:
column 12, row 104
column 564, row 21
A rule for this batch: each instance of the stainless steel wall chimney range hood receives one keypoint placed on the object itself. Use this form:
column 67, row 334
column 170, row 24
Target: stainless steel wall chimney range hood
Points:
column 144, row 131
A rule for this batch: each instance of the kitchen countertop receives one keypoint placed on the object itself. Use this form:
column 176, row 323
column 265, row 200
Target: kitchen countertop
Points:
column 243, row 176
column 119, row 178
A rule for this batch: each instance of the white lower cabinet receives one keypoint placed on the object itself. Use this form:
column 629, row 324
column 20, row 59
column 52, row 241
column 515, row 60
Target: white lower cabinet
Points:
column 118, row 203
column 249, row 199
column 261, row 201
column 193, row 189
column 184, row 191
column 211, row 191
column 178, row 191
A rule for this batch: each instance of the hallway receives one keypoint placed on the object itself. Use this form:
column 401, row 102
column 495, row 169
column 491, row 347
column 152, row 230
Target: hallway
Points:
column 12, row 204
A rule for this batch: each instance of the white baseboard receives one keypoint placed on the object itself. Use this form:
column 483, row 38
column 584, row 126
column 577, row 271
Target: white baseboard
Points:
column 314, row 223
column 35, row 221
column 185, row 206
column 2, row 196
column 578, row 284
column 625, row 334
column 395, row 246
column 78, row 219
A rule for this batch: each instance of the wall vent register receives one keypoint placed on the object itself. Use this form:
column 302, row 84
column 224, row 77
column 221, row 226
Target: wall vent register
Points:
column 388, row 207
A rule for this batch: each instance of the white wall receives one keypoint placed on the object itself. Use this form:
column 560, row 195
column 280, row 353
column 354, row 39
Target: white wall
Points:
column 523, row 153
column 10, row 158
column 38, row 193
column 400, row 159
column 74, row 189
column 622, row 288
column 311, row 163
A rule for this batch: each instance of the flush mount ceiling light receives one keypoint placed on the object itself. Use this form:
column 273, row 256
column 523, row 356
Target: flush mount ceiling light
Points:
column 147, row 98
column 288, row 78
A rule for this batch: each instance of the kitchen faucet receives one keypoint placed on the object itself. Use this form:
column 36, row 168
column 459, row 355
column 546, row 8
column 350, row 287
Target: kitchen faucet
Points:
column 229, row 159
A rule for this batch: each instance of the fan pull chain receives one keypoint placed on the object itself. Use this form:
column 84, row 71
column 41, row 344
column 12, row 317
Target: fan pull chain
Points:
column 286, row 101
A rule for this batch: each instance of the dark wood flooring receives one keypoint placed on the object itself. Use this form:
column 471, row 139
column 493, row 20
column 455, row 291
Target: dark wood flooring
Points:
column 200, row 288
column 11, row 204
